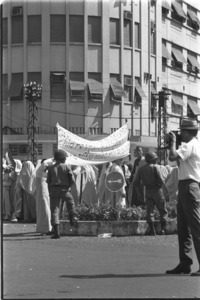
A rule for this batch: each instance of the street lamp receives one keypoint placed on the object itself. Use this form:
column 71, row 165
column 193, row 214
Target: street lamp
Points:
column 162, row 124
column 32, row 92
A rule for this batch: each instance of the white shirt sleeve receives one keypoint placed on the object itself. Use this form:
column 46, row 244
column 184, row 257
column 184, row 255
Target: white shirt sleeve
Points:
column 185, row 150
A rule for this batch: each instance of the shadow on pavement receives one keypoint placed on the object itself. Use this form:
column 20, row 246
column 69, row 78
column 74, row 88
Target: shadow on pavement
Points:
column 33, row 233
column 112, row 276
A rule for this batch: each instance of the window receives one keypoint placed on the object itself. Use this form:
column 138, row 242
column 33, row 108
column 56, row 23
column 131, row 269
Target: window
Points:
column 95, row 86
column 34, row 76
column 16, row 87
column 193, row 109
column 94, row 30
column 128, row 88
column 58, row 86
column 178, row 58
column 192, row 20
column 153, row 42
column 193, row 64
column 137, row 36
column 177, row 104
column 22, row 149
column 154, row 95
column 5, row 31
column 165, row 7
column 127, row 33
column 4, row 87
column 58, row 29
column 77, row 86
column 76, row 29
column 117, row 90
column 139, row 93
column 165, row 52
column 17, row 30
column 34, row 29
column 114, row 32
column 178, row 13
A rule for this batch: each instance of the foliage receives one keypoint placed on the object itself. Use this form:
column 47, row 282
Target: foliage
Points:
column 109, row 213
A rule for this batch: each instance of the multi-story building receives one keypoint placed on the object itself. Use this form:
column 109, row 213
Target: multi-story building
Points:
column 101, row 64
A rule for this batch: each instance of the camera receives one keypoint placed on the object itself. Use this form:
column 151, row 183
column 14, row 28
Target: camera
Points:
column 169, row 139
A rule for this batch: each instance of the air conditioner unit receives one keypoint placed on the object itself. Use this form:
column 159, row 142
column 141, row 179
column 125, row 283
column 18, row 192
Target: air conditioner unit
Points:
column 197, row 70
column 17, row 11
column 153, row 26
column 128, row 15
column 128, row 81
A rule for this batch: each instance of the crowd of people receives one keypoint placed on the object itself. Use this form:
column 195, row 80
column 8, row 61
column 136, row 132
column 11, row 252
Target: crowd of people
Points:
column 27, row 189
column 38, row 194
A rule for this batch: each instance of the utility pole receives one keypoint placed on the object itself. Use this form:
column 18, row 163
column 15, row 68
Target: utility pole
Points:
column 162, row 125
column 32, row 91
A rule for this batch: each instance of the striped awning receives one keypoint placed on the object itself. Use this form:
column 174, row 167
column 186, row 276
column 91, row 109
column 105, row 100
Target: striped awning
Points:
column 165, row 52
column 95, row 87
column 140, row 90
column 166, row 5
column 177, row 100
column 77, row 85
column 194, row 107
column 16, row 85
column 117, row 88
column 179, row 56
column 179, row 10
column 193, row 61
column 193, row 16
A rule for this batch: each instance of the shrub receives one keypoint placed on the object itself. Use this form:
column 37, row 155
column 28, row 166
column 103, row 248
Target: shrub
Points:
column 109, row 213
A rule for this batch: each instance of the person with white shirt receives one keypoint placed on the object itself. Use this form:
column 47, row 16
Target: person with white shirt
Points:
column 188, row 206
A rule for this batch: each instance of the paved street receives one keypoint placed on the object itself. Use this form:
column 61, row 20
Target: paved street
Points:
column 37, row 267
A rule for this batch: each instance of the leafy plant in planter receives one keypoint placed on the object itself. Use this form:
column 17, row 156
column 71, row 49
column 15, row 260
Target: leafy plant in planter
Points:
column 109, row 213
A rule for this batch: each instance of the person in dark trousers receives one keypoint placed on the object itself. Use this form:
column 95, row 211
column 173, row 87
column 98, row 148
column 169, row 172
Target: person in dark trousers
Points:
column 59, row 179
column 150, row 177
column 139, row 161
column 188, row 206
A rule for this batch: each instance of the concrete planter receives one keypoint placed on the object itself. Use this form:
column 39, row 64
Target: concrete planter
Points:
column 117, row 228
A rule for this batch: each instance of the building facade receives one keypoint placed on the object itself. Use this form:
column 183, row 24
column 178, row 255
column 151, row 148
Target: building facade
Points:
column 101, row 63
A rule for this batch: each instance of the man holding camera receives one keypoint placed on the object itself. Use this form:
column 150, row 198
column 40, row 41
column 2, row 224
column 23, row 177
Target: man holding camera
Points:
column 188, row 206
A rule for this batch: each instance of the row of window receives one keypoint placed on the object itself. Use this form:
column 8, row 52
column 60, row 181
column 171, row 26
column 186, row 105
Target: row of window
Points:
column 178, row 14
column 76, row 86
column 22, row 149
column 193, row 110
column 178, row 60
column 76, row 30
column 76, row 27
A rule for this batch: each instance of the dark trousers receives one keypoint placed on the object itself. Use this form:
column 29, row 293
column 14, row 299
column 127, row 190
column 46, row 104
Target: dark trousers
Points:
column 55, row 195
column 155, row 197
column 188, row 218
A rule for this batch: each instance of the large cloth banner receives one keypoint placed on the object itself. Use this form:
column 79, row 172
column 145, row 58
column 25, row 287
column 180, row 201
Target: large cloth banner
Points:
column 95, row 158
column 76, row 145
column 84, row 152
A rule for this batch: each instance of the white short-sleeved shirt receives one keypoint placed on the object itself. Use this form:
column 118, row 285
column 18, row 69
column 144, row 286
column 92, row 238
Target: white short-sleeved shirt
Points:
column 189, row 167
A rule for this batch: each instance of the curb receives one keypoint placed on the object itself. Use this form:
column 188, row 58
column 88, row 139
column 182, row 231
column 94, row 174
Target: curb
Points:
column 116, row 228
